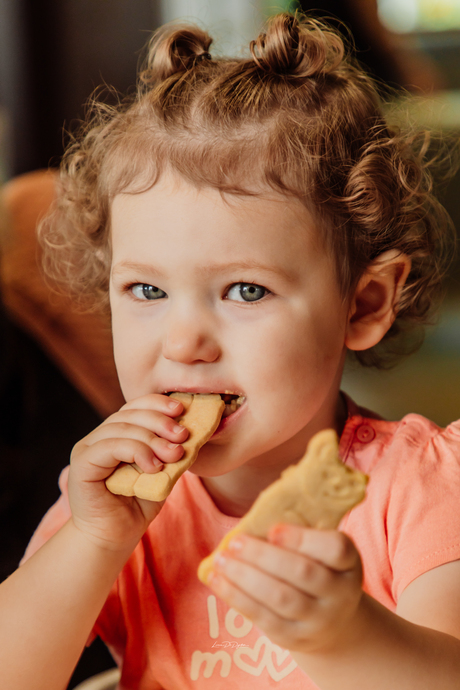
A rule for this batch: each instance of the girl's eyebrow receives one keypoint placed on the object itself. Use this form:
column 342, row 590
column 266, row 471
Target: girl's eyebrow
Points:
column 124, row 266
column 210, row 269
column 246, row 265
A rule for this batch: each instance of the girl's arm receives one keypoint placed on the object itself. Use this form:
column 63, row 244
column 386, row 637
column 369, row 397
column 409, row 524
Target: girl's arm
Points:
column 49, row 605
column 304, row 591
column 386, row 650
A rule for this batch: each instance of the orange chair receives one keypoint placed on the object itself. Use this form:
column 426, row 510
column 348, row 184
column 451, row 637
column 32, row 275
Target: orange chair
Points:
column 78, row 343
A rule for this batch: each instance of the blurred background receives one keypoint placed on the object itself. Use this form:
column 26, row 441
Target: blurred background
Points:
column 57, row 379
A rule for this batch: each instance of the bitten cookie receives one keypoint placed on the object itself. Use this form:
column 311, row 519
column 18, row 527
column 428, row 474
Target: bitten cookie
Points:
column 201, row 416
column 316, row 492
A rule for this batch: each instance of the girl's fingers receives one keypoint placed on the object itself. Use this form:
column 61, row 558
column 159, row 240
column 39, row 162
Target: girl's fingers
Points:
column 257, row 612
column 104, row 456
column 156, row 401
column 152, row 420
column 330, row 547
column 275, row 595
column 166, row 451
column 304, row 573
column 302, row 587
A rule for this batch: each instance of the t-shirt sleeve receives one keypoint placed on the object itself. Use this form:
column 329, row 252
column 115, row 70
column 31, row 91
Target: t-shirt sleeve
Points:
column 51, row 523
column 53, row 520
column 423, row 517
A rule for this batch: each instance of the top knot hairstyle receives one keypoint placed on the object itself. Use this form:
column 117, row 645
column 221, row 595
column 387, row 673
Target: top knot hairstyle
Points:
column 298, row 117
column 287, row 50
column 174, row 52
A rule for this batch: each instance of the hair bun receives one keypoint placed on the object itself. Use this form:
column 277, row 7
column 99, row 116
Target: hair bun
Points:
column 290, row 47
column 175, row 49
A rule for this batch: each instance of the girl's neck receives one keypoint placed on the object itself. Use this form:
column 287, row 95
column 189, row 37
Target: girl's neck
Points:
column 235, row 492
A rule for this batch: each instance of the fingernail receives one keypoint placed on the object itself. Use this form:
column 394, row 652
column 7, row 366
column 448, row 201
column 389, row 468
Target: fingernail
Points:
column 213, row 579
column 173, row 446
column 235, row 546
column 277, row 534
column 220, row 561
column 172, row 404
column 288, row 536
column 177, row 428
column 157, row 462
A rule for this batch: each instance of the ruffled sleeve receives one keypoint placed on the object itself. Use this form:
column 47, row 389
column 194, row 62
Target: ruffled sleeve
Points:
column 424, row 505
column 409, row 522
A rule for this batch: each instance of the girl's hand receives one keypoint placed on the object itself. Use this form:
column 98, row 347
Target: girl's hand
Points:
column 142, row 431
column 302, row 587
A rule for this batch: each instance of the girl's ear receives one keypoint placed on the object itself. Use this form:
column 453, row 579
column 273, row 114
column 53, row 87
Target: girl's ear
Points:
column 375, row 302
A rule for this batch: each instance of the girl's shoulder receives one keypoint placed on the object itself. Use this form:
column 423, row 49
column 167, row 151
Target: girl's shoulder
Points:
column 405, row 525
column 369, row 441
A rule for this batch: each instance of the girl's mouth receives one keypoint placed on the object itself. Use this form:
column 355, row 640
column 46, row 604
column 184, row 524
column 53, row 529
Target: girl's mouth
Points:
column 232, row 401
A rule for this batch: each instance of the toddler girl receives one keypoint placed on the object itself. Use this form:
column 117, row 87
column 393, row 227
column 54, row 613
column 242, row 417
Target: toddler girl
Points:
column 249, row 222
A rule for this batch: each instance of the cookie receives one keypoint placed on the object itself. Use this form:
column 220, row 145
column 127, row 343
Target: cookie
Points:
column 316, row 492
column 201, row 416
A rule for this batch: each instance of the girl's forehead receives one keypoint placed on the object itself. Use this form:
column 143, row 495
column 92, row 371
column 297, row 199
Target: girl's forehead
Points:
column 173, row 208
column 179, row 229
column 171, row 192
column 176, row 222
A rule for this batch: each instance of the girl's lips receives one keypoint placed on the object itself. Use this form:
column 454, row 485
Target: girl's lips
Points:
column 225, row 422
column 233, row 401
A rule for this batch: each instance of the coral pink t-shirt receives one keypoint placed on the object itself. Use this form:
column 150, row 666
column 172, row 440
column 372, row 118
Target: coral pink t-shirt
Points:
column 168, row 631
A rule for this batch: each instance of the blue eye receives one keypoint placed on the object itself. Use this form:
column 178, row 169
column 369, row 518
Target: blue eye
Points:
column 147, row 292
column 246, row 292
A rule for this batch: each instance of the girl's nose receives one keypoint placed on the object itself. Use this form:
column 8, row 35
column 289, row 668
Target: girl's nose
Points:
column 187, row 342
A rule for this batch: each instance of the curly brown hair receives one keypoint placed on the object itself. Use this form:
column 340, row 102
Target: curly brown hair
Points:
column 298, row 116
